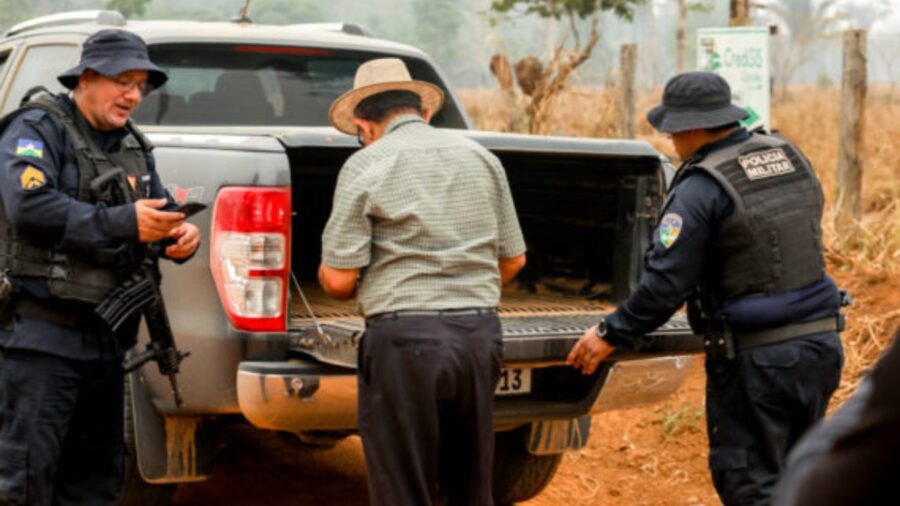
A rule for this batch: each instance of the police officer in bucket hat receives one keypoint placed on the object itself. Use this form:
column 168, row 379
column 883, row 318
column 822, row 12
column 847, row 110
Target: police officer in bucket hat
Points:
column 61, row 381
column 739, row 240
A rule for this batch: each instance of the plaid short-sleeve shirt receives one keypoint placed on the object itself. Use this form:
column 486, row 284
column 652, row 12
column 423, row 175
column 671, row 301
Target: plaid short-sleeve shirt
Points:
column 425, row 213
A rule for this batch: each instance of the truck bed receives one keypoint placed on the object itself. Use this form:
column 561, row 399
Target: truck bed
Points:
column 513, row 303
column 536, row 327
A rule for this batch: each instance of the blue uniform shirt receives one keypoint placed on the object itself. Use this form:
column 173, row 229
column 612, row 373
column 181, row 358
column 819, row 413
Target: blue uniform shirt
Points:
column 681, row 253
column 39, row 184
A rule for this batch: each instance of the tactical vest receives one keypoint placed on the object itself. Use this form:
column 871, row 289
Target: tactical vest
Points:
column 772, row 242
column 80, row 276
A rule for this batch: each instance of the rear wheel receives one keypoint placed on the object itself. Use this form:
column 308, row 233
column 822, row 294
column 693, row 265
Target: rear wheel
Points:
column 519, row 475
column 136, row 491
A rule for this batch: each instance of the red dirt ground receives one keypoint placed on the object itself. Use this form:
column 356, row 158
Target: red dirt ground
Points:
column 652, row 456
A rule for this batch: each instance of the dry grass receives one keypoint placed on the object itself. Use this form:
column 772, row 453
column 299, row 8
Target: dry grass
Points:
column 869, row 267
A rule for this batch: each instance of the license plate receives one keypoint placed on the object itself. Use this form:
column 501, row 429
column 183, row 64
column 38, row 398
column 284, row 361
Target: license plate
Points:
column 514, row 382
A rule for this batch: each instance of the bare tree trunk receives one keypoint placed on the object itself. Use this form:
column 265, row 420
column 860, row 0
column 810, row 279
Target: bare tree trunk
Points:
column 740, row 13
column 628, row 59
column 681, row 34
column 850, row 163
column 654, row 63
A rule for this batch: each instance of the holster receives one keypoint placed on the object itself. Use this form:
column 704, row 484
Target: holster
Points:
column 718, row 340
column 6, row 296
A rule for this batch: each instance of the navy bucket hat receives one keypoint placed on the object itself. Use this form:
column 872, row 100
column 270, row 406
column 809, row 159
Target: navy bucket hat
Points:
column 693, row 101
column 111, row 52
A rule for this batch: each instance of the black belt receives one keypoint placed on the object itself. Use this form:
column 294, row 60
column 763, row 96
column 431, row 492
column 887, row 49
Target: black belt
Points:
column 44, row 310
column 405, row 313
column 787, row 332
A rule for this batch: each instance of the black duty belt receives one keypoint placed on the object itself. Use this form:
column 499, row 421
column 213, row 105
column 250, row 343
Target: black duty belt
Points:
column 406, row 313
column 745, row 340
column 43, row 310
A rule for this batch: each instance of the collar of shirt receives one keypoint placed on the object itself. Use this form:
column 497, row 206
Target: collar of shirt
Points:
column 402, row 120
column 738, row 136
column 108, row 141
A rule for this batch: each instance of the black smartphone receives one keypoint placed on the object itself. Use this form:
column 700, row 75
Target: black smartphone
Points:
column 189, row 208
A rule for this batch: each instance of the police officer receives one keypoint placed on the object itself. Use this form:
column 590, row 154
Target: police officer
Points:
column 740, row 240
column 61, row 385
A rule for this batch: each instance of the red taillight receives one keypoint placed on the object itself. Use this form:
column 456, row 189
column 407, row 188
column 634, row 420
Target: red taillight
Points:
column 250, row 255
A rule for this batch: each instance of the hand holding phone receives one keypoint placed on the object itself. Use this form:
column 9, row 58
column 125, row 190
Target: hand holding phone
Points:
column 189, row 208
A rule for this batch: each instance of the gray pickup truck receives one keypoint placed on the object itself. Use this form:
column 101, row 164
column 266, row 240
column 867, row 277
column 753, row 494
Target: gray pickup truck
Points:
column 242, row 126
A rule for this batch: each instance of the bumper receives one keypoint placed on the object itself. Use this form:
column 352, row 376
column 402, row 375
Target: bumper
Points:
column 303, row 396
column 634, row 383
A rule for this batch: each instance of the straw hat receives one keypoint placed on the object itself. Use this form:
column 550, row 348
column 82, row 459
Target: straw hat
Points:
column 377, row 76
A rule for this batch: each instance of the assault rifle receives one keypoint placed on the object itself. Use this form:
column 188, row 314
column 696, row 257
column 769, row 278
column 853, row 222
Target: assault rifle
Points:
column 139, row 291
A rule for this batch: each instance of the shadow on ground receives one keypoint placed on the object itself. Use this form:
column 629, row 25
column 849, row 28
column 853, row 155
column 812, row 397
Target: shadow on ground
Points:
column 272, row 469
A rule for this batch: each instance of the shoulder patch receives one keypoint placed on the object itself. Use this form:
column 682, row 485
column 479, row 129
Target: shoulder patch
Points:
column 670, row 229
column 32, row 178
column 765, row 164
column 30, row 147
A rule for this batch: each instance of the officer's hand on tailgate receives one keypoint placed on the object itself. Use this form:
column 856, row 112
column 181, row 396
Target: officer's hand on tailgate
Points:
column 187, row 239
column 589, row 351
column 153, row 224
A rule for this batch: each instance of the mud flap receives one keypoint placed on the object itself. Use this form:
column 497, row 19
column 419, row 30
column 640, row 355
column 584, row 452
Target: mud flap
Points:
column 548, row 437
column 168, row 449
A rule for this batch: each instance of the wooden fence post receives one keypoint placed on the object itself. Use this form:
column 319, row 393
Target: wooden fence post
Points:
column 739, row 13
column 681, row 35
column 627, row 61
column 853, row 115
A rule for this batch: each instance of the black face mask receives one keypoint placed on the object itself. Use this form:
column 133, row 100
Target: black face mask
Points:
column 359, row 137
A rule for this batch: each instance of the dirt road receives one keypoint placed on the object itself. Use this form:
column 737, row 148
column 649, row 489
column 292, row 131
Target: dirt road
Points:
column 267, row 469
column 655, row 456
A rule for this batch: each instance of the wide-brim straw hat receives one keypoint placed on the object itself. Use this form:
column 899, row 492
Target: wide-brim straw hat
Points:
column 377, row 76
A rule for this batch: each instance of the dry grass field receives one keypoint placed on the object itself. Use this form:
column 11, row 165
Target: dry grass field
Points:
column 657, row 455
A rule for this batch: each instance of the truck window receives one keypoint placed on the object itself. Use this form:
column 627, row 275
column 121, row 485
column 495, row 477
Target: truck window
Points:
column 227, row 84
column 40, row 66
column 4, row 56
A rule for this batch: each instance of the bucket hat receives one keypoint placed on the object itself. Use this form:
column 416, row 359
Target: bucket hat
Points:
column 110, row 52
column 377, row 76
column 695, row 100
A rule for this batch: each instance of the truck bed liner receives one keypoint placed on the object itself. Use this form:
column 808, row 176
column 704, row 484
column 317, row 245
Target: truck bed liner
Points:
column 515, row 304
column 536, row 327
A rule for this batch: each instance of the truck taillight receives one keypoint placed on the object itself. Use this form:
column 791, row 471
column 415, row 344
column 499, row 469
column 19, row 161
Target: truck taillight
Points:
column 250, row 255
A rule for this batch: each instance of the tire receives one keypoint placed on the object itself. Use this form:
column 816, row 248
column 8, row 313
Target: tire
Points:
column 136, row 491
column 519, row 475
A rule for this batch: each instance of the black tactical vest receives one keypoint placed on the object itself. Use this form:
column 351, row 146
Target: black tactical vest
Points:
column 81, row 276
column 772, row 243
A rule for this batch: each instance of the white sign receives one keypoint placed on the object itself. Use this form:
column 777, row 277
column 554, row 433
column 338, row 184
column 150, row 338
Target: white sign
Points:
column 741, row 56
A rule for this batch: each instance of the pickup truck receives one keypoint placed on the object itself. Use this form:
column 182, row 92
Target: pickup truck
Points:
column 242, row 125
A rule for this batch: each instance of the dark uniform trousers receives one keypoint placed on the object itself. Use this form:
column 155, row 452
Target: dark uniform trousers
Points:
column 61, row 430
column 759, row 404
column 426, row 400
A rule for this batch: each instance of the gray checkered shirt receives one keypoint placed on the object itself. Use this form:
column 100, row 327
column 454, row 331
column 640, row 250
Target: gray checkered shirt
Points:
column 425, row 213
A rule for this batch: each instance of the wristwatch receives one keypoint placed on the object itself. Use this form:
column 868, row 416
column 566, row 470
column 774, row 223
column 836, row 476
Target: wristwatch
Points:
column 601, row 330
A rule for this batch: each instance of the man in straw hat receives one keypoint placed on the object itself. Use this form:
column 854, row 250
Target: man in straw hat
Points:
column 61, row 397
column 423, row 232
column 740, row 240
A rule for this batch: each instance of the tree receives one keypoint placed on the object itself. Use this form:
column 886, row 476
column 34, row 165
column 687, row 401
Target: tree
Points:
column 681, row 33
column 436, row 28
column 281, row 12
column 539, row 81
column 806, row 24
column 14, row 11
column 128, row 8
